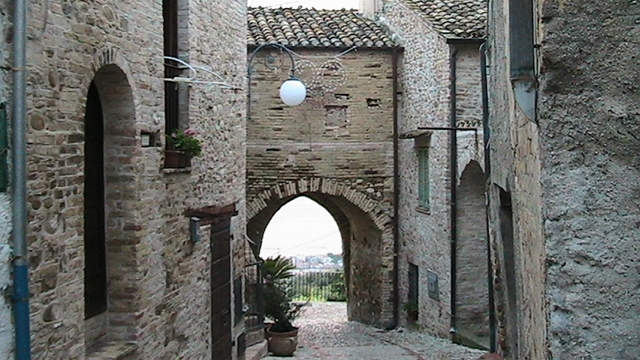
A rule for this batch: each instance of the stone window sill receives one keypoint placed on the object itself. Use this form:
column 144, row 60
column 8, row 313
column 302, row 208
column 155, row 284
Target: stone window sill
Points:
column 111, row 350
column 168, row 171
column 423, row 210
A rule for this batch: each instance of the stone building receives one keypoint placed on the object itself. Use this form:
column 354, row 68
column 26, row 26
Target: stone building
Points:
column 337, row 147
column 563, row 117
column 441, row 207
column 115, row 267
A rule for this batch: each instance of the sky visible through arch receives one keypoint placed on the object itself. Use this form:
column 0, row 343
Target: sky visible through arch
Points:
column 301, row 227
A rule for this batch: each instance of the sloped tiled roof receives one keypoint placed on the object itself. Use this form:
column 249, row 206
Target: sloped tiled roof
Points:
column 308, row 27
column 466, row 19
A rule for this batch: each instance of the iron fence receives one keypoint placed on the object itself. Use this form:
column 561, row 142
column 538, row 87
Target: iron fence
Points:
column 318, row 286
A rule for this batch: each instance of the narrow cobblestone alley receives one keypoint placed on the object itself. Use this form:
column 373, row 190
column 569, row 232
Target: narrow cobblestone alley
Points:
column 325, row 333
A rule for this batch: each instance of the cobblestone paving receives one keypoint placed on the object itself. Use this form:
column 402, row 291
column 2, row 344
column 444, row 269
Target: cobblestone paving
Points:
column 325, row 334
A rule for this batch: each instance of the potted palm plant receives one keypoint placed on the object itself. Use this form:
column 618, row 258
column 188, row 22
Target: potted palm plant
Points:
column 181, row 147
column 279, row 307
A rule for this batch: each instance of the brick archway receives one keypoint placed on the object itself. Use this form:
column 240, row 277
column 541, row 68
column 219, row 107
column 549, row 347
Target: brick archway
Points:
column 365, row 229
column 121, row 162
column 472, row 289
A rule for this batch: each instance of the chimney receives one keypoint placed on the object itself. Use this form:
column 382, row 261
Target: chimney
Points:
column 369, row 8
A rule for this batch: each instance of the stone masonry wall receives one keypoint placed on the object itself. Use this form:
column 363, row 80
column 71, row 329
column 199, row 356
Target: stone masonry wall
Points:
column 589, row 125
column 167, row 312
column 337, row 139
column 6, row 320
column 424, row 235
column 583, row 155
column 520, row 304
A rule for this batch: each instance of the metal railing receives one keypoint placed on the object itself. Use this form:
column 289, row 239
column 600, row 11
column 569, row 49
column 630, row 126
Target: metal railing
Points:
column 318, row 286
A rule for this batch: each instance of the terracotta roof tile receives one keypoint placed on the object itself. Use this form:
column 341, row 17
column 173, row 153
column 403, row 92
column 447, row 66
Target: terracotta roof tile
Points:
column 465, row 19
column 308, row 27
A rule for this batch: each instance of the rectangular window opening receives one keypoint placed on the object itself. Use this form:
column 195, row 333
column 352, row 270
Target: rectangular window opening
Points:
column 423, row 178
column 171, row 68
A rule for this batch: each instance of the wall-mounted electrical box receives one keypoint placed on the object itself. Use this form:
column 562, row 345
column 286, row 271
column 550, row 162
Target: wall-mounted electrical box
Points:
column 194, row 229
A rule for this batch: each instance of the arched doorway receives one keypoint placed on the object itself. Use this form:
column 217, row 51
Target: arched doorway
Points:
column 110, row 207
column 305, row 233
column 472, row 289
column 361, row 240
column 301, row 227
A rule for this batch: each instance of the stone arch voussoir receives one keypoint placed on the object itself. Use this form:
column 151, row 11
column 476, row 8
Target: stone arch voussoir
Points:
column 289, row 189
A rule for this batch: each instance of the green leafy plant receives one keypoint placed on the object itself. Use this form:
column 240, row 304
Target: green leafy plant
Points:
column 278, row 304
column 338, row 289
column 184, row 141
column 412, row 309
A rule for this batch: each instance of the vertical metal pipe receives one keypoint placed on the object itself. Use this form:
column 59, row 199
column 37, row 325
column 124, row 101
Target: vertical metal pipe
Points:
column 487, row 172
column 19, row 184
column 4, row 148
column 396, row 191
column 453, row 58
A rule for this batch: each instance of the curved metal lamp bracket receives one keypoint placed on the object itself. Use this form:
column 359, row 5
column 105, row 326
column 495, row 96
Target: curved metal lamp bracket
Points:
column 193, row 78
column 274, row 45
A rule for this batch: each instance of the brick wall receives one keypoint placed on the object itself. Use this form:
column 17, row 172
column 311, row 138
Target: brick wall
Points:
column 472, row 300
column 159, row 288
column 425, row 236
column 336, row 147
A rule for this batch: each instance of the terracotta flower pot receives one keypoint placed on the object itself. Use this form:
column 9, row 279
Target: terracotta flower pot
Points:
column 283, row 344
column 176, row 159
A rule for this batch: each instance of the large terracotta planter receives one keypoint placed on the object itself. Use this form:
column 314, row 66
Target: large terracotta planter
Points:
column 176, row 159
column 283, row 344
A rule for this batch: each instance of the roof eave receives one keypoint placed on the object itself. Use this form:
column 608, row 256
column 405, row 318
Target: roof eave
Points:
column 336, row 48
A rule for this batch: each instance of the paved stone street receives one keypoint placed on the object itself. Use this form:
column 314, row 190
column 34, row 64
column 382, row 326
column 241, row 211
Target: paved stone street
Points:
column 325, row 333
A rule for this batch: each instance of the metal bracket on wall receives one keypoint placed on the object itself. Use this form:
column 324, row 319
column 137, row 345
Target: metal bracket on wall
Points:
column 525, row 90
column 194, row 229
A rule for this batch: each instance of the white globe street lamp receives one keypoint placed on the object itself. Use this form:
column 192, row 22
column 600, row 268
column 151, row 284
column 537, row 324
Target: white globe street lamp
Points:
column 293, row 92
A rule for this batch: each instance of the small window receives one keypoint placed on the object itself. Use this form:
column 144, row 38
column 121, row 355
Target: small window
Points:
column 171, row 69
column 412, row 297
column 423, row 178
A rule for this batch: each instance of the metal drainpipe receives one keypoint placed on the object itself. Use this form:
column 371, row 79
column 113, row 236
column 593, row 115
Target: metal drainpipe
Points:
column 454, row 180
column 19, row 182
column 396, row 191
column 487, row 171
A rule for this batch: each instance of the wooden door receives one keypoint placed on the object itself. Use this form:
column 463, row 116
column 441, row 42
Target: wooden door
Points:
column 221, row 332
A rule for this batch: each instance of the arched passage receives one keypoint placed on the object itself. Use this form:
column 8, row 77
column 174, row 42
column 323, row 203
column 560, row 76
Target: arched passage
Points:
column 301, row 227
column 110, row 207
column 472, row 293
column 363, row 236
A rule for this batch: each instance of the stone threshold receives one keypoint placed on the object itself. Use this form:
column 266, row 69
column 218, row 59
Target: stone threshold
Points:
column 168, row 171
column 256, row 351
column 111, row 350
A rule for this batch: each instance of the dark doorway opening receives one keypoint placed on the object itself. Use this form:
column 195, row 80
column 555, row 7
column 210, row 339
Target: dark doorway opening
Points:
column 509, row 260
column 95, row 270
